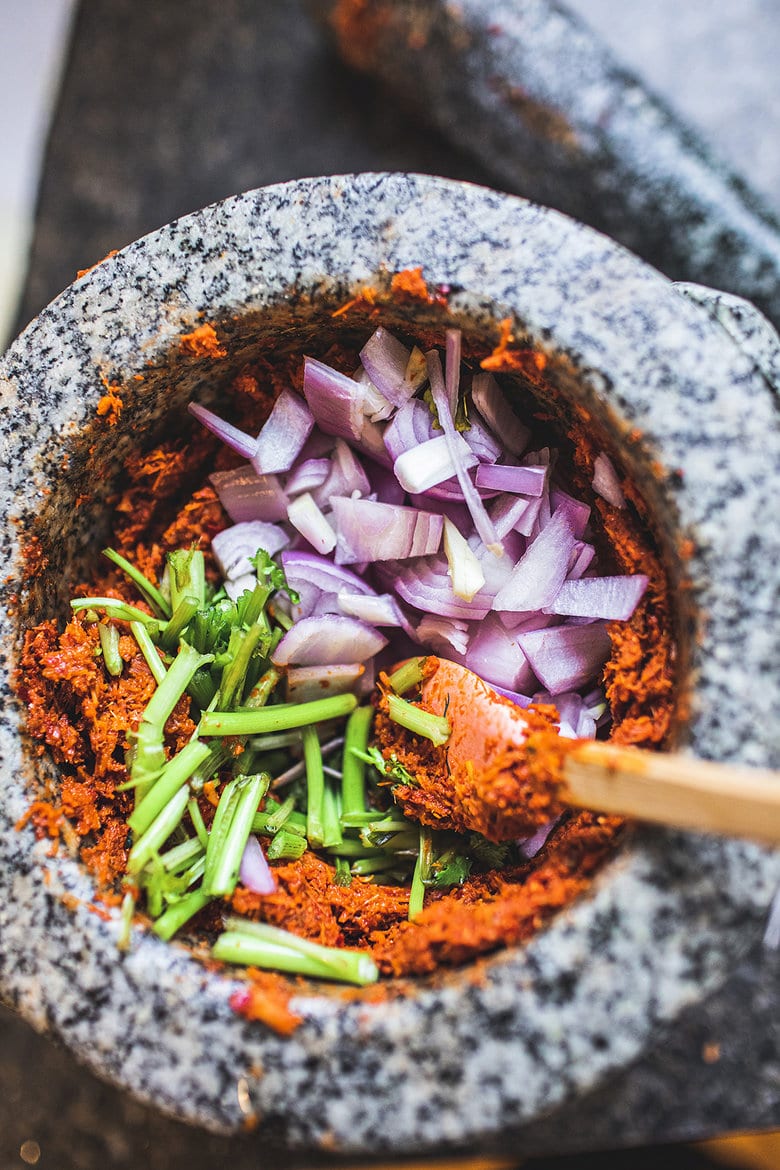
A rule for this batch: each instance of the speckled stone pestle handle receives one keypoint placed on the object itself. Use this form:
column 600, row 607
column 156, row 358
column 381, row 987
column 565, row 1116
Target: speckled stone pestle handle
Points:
column 533, row 93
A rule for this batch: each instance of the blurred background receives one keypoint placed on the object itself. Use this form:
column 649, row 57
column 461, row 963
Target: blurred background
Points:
column 116, row 118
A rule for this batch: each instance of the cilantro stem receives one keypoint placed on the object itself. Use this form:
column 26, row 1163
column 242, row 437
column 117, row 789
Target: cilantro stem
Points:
column 354, row 848
column 179, row 913
column 259, row 945
column 363, row 866
column 180, row 856
column 331, row 822
column 286, row 846
column 421, row 875
column 109, row 644
column 198, row 824
column 262, row 690
column 230, row 832
column 158, row 832
column 145, row 587
column 149, row 651
column 277, row 718
column 353, row 768
column 181, row 617
column 233, row 676
column 119, row 610
column 315, row 785
column 187, row 573
column 175, row 773
column 407, row 676
column 436, row 728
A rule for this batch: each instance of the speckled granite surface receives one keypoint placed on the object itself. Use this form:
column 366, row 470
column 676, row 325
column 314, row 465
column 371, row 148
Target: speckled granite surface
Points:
column 116, row 168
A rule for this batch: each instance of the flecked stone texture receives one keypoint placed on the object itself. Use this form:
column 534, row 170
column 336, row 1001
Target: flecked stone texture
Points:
column 537, row 97
column 471, row 1054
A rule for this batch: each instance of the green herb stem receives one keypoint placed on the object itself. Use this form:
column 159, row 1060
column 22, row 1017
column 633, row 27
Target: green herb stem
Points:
column 353, row 768
column 198, row 823
column 181, row 617
column 187, row 575
column 407, row 676
column 234, row 675
column 145, row 587
column 119, row 610
column 149, row 651
column 230, row 832
column 286, row 846
column 263, row 689
column 421, row 875
column 436, row 728
column 109, row 644
column 315, row 785
column 175, row 774
column 158, row 832
column 281, row 717
column 180, row 913
column 252, row 942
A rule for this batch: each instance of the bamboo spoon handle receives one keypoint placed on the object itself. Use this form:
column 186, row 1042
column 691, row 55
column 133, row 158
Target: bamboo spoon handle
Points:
column 674, row 790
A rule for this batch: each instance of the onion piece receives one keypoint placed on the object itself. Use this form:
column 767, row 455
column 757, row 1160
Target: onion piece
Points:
column 518, row 513
column 482, row 521
column 239, row 585
column 387, row 363
column 564, row 658
column 520, row 480
column 306, row 683
column 335, row 400
column 255, row 873
column 430, row 463
column 379, row 609
column 306, row 517
column 496, row 657
column 304, row 567
column 530, row 846
column 309, row 474
column 577, row 510
column 375, row 405
column 614, row 598
column 234, row 546
column 411, row 425
column 464, row 569
column 328, row 640
column 498, row 414
column 482, row 441
column 283, row 434
column 370, row 531
column 246, row 496
column 384, row 485
column 513, row 696
column 430, row 591
column 231, row 436
column 538, row 575
column 581, row 559
column 345, row 477
column 606, row 483
column 448, row 637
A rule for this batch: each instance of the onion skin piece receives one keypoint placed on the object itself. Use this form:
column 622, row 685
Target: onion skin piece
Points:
column 498, row 773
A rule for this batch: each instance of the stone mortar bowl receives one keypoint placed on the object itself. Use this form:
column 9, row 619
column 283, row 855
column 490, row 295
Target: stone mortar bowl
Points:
column 473, row 1054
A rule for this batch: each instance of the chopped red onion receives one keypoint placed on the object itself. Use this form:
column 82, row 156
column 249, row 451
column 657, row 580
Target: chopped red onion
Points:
column 430, row 463
column 384, row 485
column 564, row 658
column 255, row 873
column 606, row 483
column 387, row 363
column 495, row 656
column 538, row 575
column 429, row 590
column 482, row 521
column 345, row 477
column 454, row 510
column 328, row 640
column 518, row 513
column 527, row 481
column 283, row 435
column 306, row 517
column 452, row 368
column 335, row 400
column 239, row 585
column 614, row 598
column 411, row 425
column 246, row 496
column 483, row 442
column 513, row 696
column 370, row 531
column 498, row 414
column 234, row 546
column 530, row 846
column 303, row 568
column 577, row 511
column 380, row 609
column 308, row 475
column 375, row 405
column 231, row 436
column 581, row 559
column 305, row 683
column 448, row 637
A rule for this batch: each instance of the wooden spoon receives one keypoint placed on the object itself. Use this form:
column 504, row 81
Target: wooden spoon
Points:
column 504, row 772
